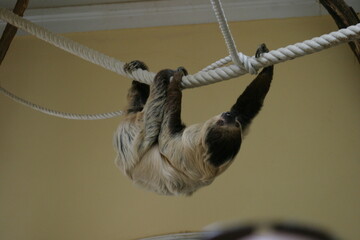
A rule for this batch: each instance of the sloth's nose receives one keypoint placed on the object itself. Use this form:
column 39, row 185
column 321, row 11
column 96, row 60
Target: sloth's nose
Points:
column 227, row 114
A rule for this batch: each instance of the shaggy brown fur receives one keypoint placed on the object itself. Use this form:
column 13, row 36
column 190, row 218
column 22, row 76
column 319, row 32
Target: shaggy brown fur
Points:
column 158, row 152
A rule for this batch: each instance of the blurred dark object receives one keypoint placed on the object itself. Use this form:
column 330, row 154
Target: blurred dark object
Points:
column 262, row 231
column 10, row 30
column 270, row 231
column 344, row 16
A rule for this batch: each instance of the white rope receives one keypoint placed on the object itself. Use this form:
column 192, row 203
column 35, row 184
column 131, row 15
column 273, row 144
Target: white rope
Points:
column 60, row 114
column 215, row 73
column 300, row 49
column 238, row 58
column 211, row 74
column 63, row 43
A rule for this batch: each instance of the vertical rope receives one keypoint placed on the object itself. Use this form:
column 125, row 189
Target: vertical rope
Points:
column 238, row 58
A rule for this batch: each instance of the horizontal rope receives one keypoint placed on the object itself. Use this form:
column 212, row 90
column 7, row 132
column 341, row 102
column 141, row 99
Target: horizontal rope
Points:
column 300, row 49
column 216, row 72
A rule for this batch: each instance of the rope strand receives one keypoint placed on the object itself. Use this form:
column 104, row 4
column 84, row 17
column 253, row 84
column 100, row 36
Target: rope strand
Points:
column 72, row 116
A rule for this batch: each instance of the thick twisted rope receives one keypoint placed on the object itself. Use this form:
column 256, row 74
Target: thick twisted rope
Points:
column 296, row 50
column 211, row 74
column 215, row 72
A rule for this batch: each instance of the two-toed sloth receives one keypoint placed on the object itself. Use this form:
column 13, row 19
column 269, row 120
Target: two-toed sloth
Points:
column 158, row 152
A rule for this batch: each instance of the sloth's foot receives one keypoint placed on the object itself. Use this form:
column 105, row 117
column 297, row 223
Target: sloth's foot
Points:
column 179, row 73
column 134, row 65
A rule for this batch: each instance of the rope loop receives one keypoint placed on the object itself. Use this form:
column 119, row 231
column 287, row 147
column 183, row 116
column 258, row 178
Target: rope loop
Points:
column 240, row 59
column 246, row 60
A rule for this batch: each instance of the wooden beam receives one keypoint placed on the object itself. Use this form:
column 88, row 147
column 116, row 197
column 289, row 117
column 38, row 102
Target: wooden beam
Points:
column 344, row 16
column 10, row 30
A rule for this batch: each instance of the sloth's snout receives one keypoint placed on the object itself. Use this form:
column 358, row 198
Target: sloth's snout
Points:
column 227, row 115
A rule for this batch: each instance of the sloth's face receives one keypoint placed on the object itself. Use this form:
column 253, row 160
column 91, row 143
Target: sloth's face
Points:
column 228, row 119
column 222, row 138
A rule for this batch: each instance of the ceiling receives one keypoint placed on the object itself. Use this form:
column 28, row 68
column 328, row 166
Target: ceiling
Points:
column 33, row 4
column 90, row 15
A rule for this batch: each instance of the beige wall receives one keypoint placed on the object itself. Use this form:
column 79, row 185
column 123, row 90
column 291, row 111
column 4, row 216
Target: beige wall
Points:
column 300, row 161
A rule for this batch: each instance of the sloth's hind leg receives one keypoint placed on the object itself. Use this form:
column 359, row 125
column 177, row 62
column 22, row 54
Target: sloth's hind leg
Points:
column 139, row 92
column 154, row 110
column 172, row 122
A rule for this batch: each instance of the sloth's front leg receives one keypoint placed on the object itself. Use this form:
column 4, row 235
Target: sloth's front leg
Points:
column 251, row 100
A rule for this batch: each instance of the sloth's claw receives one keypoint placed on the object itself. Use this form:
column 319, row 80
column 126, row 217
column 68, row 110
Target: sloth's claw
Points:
column 134, row 65
column 261, row 49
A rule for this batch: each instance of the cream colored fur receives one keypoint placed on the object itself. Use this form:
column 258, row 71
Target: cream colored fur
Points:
column 174, row 166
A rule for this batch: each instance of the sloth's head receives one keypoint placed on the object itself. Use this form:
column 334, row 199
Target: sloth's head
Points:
column 223, row 138
column 228, row 119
